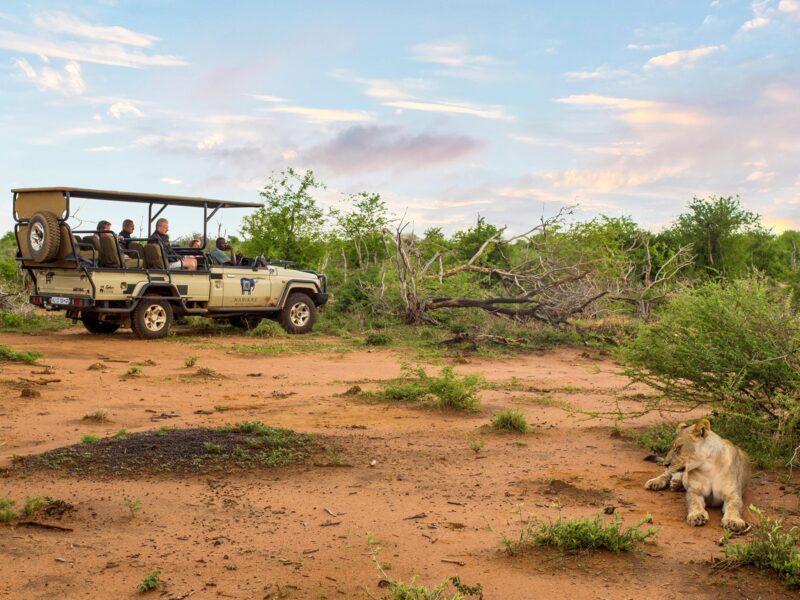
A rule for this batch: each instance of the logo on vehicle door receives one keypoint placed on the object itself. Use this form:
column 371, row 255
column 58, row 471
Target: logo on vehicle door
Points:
column 248, row 284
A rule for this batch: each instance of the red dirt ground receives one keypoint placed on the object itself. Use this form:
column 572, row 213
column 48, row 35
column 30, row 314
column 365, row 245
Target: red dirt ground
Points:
column 301, row 531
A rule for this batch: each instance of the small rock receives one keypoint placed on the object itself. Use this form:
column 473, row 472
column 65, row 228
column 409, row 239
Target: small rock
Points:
column 30, row 393
column 373, row 462
column 97, row 367
column 609, row 510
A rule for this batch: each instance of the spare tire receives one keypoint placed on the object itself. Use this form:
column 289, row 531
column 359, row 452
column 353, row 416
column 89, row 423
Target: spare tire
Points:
column 44, row 236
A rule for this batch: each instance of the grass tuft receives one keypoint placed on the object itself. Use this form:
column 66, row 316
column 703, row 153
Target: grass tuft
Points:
column 448, row 390
column 12, row 355
column 510, row 420
column 90, row 439
column 770, row 548
column 7, row 512
column 150, row 582
column 572, row 536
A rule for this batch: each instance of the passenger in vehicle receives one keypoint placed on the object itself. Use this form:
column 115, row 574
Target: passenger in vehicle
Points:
column 223, row 253
column 125, row 235
column 174, row 260
column 103, row 226
column 195, row 243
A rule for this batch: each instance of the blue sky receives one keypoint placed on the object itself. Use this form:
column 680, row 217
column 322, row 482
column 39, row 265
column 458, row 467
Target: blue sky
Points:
column 448, row 109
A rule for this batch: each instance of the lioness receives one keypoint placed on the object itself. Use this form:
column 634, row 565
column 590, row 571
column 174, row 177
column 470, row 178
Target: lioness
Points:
column 712, row 471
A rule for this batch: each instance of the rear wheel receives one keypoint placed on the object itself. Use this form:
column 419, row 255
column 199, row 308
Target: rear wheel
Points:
column 246, row 323
column 152, row 318
column 93, row 324
column 298, row 314
column 44, row 236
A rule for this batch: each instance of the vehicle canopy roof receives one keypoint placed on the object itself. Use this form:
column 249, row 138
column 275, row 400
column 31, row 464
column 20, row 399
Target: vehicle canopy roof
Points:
column 116, row 196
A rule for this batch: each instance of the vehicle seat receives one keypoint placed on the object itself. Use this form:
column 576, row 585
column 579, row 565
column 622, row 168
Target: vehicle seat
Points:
column 85, row 252
column 154, row 257
column 109, row 256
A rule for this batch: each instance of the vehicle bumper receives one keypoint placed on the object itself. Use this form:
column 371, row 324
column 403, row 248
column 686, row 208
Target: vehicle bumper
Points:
column 60, row 302
column 322, row 299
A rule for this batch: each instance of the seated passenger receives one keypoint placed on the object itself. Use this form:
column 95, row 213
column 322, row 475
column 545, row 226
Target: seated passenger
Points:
column 220, row 253
column 195, row 243
column 125, row 235
column 103, row 226
column 174, row 260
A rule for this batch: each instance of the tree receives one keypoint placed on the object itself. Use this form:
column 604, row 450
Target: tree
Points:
column 362, row 227
column 290, row 225
column 714, row 228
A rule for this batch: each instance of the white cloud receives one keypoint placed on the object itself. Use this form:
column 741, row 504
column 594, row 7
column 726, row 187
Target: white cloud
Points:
column 105, row 149
column 761, row 176
column 640, row 112
column 324, row 115
column 289, row 154
column 644, row 46
column 68, row 82
column 755, row 23
column 789, row 6
column 100, row 53
column 263, row 98
column 484, row 112
column 681, row 57
column 120, row 109
column 171, row 181
column 87, row 130
column 599, row 73
column 59, row 22
column 449, row 54
column 213, row 140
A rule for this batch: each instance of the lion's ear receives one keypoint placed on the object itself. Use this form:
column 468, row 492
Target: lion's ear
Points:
column 702, row 427
column 681, row 427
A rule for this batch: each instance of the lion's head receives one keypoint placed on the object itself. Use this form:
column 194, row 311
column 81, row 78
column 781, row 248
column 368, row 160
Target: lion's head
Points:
column 686, row 444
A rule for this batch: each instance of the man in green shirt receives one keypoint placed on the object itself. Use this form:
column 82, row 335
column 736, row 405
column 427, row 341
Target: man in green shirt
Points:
column 223, row 253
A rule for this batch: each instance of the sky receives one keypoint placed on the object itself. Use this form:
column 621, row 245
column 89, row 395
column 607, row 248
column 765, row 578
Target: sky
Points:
column 450, row 110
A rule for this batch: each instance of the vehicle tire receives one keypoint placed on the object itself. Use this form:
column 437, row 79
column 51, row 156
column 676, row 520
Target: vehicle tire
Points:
column 152, row 318
column 246, row 323
column 93, row 324
column 44, row 236
column 298, row 314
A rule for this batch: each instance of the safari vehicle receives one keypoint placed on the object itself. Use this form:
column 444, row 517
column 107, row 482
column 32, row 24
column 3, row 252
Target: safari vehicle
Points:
column 93, row 279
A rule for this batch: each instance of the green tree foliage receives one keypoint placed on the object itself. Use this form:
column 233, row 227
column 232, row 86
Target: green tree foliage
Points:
column 360, row 229
column 290, row 225
column 714, row 227
column 732, row 345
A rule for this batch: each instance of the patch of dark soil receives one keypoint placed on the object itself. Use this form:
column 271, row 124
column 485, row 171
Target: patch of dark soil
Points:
column 565, row 492
column 568, row 493
column 244, row 445
column 57, row 508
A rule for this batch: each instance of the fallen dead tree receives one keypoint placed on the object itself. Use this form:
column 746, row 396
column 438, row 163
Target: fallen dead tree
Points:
column 543, row 286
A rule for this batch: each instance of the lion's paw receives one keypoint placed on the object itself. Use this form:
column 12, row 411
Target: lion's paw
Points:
column 656, row 484
column 697, row 519
column 734, row 524
column 676, row 485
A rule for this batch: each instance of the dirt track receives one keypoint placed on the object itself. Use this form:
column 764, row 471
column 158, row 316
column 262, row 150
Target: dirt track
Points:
column 302, row 530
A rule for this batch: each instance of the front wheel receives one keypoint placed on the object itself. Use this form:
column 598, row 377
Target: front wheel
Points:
column 152, row 319
column 298, row 314
column 93, row 324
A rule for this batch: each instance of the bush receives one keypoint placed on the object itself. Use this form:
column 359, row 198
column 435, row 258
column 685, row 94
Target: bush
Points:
column 448, row 390
column 377, row 338
column 7, row 512
column 580, row 535
column 734, row 347
column 511, row 420
column 770, row 548
column 10, row 354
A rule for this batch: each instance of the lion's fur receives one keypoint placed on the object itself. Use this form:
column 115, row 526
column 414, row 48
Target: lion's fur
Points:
column 711, row 469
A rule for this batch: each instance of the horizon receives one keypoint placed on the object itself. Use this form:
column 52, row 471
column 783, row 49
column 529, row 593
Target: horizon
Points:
column 446, row 110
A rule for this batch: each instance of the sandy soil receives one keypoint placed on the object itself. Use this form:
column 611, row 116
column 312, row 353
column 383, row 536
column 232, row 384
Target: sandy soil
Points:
column 301, row 531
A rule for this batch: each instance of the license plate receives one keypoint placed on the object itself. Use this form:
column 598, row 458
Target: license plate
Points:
column 60, row 301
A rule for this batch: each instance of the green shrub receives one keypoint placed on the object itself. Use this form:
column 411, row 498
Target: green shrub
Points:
column 510, row 420
column 448, row 390
column 150, row 582
column 409, row 391
column 377, row 338
column 733, row 346
column 7, row 512
column 657, row 438
column 580, row 535
column 10, row 354
column 34, row 504
column 90, row 439
column 769, row 548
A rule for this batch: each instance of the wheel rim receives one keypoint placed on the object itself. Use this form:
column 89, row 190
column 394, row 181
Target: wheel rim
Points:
column 155, row 317
column 37, row 237
column 299, row 314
